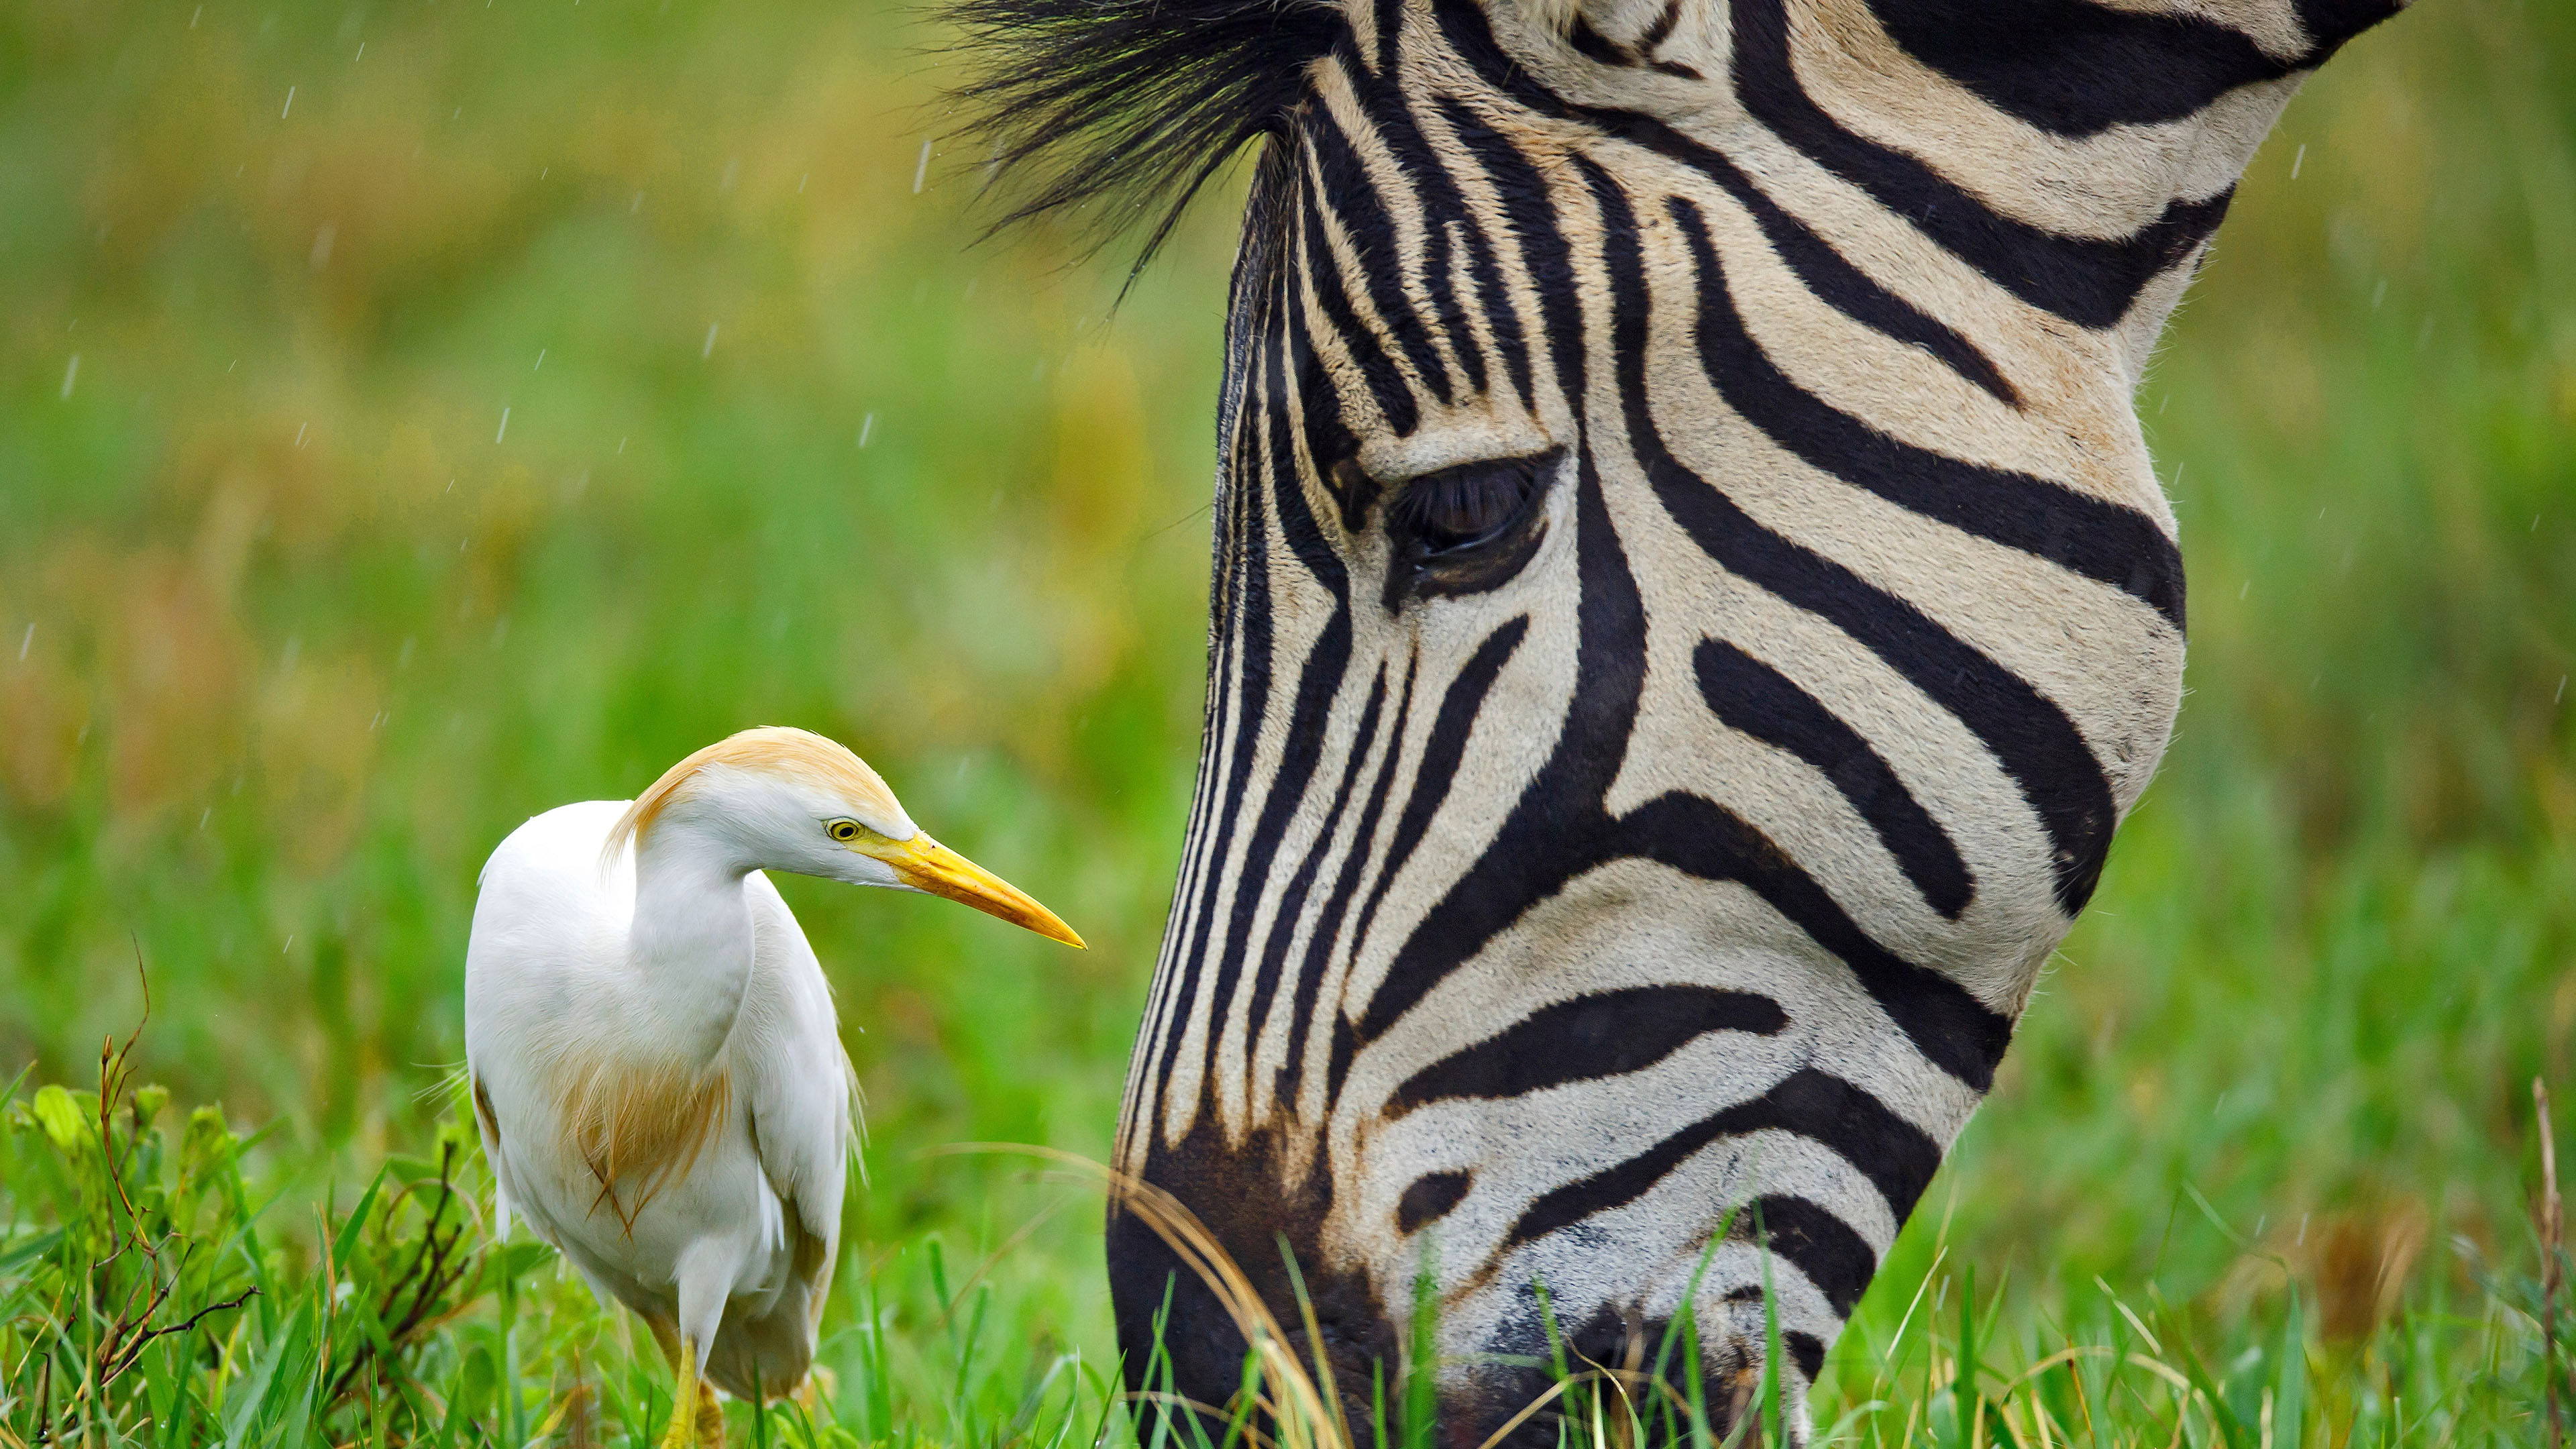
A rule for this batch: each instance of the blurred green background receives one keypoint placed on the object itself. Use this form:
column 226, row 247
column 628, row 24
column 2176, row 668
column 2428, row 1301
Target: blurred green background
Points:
column 415, row 415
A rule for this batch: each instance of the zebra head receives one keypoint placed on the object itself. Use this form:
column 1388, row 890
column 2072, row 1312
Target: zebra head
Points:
column 1691, row 603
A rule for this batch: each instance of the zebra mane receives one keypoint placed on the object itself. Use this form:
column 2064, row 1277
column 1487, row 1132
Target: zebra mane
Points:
column 1120, row 111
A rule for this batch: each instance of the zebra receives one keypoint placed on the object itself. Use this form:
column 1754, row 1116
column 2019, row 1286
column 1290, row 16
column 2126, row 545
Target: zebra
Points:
column 1691, row 602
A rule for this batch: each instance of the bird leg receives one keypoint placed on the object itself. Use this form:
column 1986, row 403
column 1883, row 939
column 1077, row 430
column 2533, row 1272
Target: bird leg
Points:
column 687, row 1394
column 711, row 1425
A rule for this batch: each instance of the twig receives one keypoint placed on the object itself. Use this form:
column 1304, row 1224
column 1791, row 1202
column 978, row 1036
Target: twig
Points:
column 134, row 1351
column 112, row 1086
column 431, row 1275
column 2552, row 1257
column 44, row 1403
column 432, row 1251
column 433, row 1285
column 116, row 1349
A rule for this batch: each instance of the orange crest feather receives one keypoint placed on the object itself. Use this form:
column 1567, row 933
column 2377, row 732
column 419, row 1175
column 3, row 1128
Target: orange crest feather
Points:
column 769, row 749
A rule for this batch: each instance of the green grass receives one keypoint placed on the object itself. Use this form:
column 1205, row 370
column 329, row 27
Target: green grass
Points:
column 293, row 629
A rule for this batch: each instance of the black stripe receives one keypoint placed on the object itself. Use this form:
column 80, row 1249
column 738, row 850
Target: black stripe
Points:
column 1952, row 1029
column 1292, row 901
column 1494, row 300
column 1897, row 1157
column 1460, row 704
column 1850, row 291
column 1894, row 1154
column 1244, row 649
column 1612, row 1187
column 2030, row 736
column 1834, row 1258
column 1319, row 681
column 1429, row 1199
column 2034, row 741
column 1351, row 191
column 1662, row 30
column 1438, row 265
column 1594, row 44
column 1329, row 441
column 2077, row 68
column 1818, row 267
column 1386, row 386
column 1751, row 696
column 2330, row 23
column 2086, row 281
column 1443, row 199
column 1441, row 208
column 1336, row 913
column 1807, row 1349
column 1390, row 29
column 1586, row 1038
column 1298, row 526
column 1264, row 452
column 1799, row 1231
column 1337, row 1066
column 1557, row 829
column 2103, row 541
column 1529, row 213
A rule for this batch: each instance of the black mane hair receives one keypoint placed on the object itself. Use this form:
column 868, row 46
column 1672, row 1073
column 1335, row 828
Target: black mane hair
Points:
column 1117, row 111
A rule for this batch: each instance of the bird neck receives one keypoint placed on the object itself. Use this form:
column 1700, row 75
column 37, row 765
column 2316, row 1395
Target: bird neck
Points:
column 691, row 940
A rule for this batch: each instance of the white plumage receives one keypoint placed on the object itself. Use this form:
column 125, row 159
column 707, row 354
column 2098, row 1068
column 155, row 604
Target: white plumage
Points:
column 653, row 1057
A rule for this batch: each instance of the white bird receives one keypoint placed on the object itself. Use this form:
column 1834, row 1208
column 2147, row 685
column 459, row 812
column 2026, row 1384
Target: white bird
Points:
column 652, row 1054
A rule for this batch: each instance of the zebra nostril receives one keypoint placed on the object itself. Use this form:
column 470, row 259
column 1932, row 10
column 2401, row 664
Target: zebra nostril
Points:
column 1429, row 1199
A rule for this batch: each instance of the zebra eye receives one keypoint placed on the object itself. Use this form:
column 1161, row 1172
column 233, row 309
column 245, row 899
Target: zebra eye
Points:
column 1467, row 529
column 1459, row 508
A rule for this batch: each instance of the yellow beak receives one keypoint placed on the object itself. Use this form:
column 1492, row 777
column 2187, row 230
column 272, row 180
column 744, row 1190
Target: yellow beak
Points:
column 926, row 865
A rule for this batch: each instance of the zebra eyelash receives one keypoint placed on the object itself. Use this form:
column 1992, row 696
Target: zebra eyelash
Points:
column 1467, row 529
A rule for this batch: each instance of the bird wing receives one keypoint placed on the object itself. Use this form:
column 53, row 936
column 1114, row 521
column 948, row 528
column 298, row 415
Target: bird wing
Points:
column 547, row 920
column 803, row 1094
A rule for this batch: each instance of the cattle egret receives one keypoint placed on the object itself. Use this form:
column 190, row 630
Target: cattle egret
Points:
column 651, row 1050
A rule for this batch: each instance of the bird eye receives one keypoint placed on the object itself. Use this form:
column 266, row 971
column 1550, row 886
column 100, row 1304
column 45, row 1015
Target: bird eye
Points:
column 842, row 829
